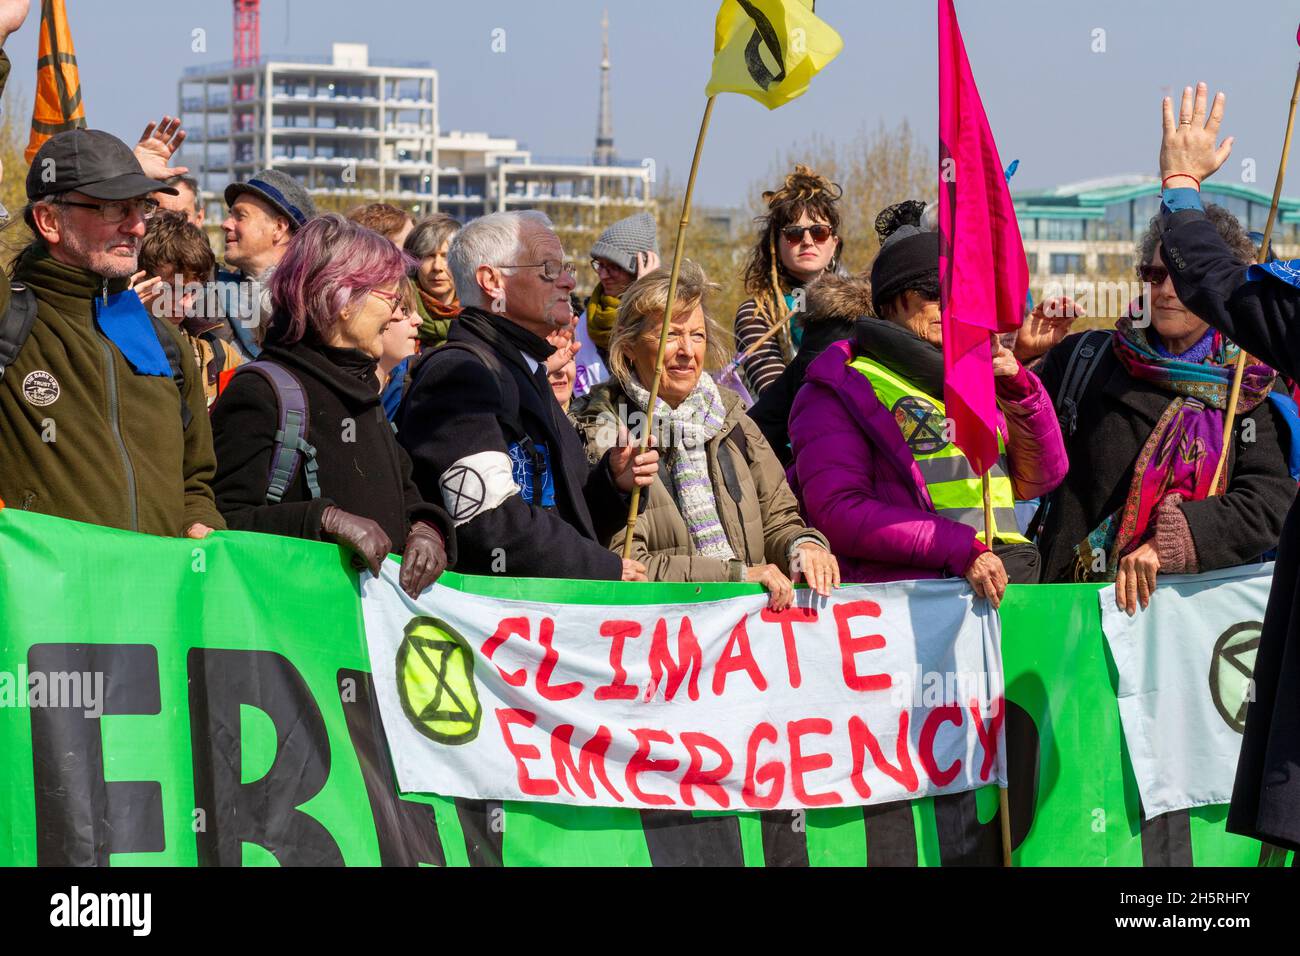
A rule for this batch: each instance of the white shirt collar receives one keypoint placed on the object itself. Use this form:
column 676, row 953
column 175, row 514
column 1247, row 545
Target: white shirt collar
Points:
column 533, row 364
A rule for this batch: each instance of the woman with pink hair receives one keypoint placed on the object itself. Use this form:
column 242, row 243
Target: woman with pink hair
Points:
column 342, row 477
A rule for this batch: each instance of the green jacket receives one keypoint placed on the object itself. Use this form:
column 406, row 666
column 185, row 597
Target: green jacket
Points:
column 84, row 437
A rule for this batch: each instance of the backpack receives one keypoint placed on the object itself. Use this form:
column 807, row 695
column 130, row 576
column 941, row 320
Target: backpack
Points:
column 291, row 447
column 16, row 327
column 1083, row 364
column 1079, row 370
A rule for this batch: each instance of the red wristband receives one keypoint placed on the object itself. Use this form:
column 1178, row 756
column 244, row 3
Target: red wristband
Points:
column 1164, row 182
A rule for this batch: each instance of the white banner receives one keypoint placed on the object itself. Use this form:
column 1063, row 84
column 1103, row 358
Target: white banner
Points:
column 885, row 692
column 1185, row 666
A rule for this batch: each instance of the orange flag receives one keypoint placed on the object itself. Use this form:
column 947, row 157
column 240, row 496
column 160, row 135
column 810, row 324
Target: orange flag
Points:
column 58, row 82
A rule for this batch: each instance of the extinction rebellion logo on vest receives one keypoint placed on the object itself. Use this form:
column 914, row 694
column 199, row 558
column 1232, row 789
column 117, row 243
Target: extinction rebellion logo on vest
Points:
column 40, row 388
column 921, row 424
column 435, row 682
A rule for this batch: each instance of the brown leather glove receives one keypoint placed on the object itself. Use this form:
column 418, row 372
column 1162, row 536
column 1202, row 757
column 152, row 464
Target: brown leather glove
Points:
column 363, row 536
column 423, row 560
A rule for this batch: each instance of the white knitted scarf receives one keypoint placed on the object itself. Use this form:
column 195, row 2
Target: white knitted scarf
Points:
column 698, row 418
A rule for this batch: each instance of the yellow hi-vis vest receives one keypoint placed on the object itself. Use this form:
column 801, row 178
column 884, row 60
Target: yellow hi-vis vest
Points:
column 955, row 489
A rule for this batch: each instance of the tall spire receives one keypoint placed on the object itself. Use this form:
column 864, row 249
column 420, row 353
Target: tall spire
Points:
column 604, row 155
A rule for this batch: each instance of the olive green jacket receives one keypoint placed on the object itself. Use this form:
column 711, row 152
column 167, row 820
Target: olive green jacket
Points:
column 761, row 520
column 82, row 436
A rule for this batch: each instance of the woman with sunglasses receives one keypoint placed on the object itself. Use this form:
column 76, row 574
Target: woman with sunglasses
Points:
column 334, row 297
column 1144, row 432
column 875, row 466
column 798, row 240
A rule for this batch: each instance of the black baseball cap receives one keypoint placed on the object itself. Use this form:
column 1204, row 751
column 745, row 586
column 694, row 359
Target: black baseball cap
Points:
column 91, row 162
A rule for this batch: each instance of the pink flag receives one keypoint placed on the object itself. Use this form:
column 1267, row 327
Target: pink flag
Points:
column 983, row 276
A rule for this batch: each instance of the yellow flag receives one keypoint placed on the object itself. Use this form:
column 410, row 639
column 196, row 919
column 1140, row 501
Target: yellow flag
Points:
column 769, row 49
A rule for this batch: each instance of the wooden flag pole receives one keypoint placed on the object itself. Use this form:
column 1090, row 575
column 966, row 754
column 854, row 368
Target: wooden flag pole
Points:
column 668, row 318
column 1235, row 394
column 1004, row 805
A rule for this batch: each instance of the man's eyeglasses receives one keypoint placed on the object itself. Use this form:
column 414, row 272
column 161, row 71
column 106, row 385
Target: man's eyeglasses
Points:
column 551, row 268
column 1153, row 274
column 117, row 210
column 819, row 232
column 394, row 300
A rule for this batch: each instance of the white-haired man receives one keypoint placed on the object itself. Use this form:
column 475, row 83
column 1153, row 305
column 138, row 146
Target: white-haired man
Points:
column 484, row 431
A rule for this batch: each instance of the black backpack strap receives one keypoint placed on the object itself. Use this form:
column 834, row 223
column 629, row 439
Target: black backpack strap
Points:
column 217, row 364
column 172, row 349
column 1079, row 370
column 16, row 324
column 291, row 444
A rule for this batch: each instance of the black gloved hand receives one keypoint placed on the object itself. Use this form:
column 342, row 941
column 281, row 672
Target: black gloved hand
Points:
column 423, row 560
column 364, row 536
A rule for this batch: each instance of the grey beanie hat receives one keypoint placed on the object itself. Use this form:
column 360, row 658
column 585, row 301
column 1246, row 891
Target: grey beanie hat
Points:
column 621, row 242
column 281, row 190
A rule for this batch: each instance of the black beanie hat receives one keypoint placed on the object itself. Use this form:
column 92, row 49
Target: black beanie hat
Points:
column 908, row 254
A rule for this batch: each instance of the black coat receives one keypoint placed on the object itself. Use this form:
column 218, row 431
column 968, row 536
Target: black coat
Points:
column 1264, row 318
column 362, row 469
column 835, row 303
column 1116, row 416
column 475, row 420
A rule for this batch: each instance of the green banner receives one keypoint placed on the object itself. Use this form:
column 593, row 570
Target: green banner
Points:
column 171, row 702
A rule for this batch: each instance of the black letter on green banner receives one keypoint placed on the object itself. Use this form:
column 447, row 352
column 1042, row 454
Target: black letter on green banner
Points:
column 80, row 817
column 407, row 831
column 265, row 811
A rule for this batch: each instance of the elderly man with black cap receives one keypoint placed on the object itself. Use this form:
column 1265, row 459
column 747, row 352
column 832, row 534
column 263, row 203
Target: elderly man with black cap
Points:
column 265, row 213
column 102, row 413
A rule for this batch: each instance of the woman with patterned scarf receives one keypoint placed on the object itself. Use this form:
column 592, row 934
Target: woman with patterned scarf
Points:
column 431, row 280
column 1146, row 437
column 721, row 509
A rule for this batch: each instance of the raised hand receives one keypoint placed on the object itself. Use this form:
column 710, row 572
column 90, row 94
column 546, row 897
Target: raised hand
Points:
column 158, row 143
column 1046, row 326
column 1187, row 147
column 646, row 262
column 12, row 15
column 1004, row 360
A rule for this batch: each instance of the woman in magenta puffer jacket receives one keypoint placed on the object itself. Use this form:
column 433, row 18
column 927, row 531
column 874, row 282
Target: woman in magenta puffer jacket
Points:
column 872, row 467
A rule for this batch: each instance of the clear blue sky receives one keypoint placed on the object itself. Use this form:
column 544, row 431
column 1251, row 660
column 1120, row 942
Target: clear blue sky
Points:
column 1066, row 112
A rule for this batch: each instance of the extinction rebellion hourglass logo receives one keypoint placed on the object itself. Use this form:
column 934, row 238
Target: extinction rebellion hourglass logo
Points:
column 435, row 681
column 1232, row 666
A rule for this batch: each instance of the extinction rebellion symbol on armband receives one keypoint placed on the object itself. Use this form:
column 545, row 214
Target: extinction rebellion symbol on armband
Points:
column 435, row 681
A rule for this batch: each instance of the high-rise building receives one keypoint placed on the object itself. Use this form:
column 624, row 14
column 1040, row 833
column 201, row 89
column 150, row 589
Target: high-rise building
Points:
column 354, row 129
column 345, row 126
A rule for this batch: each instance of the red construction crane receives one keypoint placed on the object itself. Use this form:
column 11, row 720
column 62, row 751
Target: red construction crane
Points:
column 248, row 44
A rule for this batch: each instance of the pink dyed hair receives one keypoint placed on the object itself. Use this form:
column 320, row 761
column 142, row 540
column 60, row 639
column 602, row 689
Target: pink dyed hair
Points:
column 330, row 263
